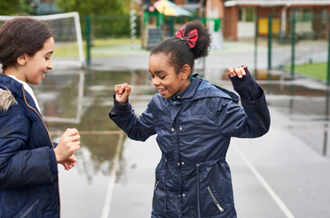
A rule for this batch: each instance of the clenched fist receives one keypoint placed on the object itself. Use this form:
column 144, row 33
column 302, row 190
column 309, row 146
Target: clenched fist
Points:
column 122, row 92
column 238, row 71
column 69, row 143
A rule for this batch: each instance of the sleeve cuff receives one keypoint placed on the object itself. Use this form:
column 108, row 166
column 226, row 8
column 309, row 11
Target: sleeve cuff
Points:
column 120, row 109
column 53, row 162
column 241, row 83
column 246, row 87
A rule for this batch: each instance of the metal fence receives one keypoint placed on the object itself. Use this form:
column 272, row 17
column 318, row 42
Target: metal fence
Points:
column 291, row 41
column 294, row 41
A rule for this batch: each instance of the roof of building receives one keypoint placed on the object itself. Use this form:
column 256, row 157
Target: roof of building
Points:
column 276, row 2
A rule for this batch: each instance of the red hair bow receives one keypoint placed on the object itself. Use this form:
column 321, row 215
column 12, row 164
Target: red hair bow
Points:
column 190, row 37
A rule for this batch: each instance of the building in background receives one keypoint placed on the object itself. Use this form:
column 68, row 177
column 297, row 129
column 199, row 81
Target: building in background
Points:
column 190, row 5
column 238, row 17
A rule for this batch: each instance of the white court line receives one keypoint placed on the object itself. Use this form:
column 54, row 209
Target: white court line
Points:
column 277, row 200
column 106, row 207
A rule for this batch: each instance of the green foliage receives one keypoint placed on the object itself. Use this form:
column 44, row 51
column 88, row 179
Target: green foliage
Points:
column 14, row 7
column 92, row 7
column 110, row 26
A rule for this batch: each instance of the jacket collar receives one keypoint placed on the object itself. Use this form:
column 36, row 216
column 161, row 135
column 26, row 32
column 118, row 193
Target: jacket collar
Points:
column 201, row 88
column 189, row 92
column 15, row 87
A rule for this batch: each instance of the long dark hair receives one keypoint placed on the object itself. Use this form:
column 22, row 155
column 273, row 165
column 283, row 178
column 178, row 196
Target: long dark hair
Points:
column 20, row 36
column 178, row 51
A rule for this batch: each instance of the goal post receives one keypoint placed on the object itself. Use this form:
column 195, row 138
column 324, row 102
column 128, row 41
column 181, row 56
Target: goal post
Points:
column 68, row 52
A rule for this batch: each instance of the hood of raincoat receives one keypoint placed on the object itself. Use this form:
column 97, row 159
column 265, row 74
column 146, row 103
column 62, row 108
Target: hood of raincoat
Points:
column 6, row 100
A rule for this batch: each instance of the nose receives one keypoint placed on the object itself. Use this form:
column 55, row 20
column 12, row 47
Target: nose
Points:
column 50, row 65
column 155, row 81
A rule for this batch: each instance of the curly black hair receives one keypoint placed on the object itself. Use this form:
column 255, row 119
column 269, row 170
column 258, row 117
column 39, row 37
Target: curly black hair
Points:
column 178, row 51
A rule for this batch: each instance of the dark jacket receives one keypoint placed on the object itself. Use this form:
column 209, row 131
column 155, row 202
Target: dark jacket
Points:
column 28, row 167
column 194, row 130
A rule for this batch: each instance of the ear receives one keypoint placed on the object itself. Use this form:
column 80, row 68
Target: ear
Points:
column 21, row 60
column 185, row 71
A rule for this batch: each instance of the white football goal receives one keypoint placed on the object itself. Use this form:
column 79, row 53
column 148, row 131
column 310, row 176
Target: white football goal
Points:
column 68, row 50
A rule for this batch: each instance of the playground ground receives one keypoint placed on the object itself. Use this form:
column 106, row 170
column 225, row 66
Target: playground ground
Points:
column 282, row 174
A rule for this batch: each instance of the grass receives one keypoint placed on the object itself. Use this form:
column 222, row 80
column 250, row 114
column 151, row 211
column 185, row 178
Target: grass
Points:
column 71, row 50
column 67, row 50
column 110, row 42
column 315, row 70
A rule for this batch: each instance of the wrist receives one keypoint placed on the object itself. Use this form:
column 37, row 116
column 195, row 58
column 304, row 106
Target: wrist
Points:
column 121, row 101
column 120, row 108
column 57, row 156
column 241, row 83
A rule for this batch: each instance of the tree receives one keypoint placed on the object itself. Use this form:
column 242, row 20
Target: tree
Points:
column 14, row 7
column 93, row 7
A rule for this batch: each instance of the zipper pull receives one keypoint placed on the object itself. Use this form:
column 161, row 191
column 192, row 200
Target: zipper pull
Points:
column 156, row 185
column 220, row 208
column 215, row 200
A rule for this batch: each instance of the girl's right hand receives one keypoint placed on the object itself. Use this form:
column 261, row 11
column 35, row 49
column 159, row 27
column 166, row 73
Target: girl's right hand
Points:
column 69, row 143
column 122, row 92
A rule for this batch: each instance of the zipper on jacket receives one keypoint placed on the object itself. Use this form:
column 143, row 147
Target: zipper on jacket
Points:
column 198, row 204
column 38, row 116
column 30, row 209
column 165, row 202
column 58, row 179
column 215, row 200
column 156, row 185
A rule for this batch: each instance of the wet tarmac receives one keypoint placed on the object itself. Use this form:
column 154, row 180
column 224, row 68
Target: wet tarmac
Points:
column 283, row 174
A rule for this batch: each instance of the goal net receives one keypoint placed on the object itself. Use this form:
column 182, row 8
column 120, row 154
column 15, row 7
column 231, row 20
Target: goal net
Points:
column 68, row 52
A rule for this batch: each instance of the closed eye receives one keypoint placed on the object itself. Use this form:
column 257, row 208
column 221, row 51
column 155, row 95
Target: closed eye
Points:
column 162, row 77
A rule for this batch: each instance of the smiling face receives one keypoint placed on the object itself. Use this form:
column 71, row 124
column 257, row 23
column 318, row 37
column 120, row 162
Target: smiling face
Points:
column 164, row 77
column 37, row 66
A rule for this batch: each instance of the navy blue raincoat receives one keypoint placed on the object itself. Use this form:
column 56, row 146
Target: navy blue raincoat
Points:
column 194, row 129
column 28, row 167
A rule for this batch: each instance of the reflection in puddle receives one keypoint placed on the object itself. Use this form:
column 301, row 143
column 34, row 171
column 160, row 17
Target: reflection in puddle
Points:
column 305, row 104
column 83, row 100
column 96, row 155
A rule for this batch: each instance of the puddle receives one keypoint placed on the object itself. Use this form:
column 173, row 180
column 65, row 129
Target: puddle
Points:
column 83, row 100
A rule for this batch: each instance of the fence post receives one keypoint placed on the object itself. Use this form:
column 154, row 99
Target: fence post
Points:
column 293, row 42
column 255, row 48
column 88, row 40
column 328, row 78
column 269, row 42
column 171, row 24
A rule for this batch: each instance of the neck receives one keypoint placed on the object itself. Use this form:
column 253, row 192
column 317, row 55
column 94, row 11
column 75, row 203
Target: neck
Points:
column 12, row 70
column 186, row 85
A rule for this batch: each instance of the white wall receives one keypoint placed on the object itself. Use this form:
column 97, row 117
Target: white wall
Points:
column 245, row 29
column 304, row 27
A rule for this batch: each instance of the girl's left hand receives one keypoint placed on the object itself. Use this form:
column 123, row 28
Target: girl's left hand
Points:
column 69, row 163
column 238, row 71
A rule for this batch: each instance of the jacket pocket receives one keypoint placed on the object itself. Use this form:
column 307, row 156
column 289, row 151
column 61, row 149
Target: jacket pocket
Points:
column 210, row 201
column 158, row 201
column 215, row 200
column 29, row 208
